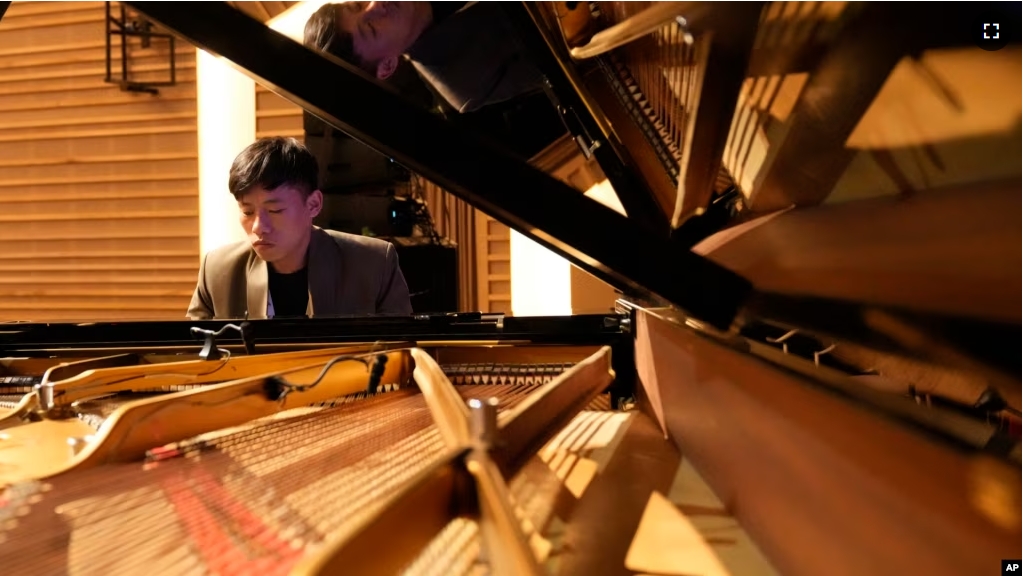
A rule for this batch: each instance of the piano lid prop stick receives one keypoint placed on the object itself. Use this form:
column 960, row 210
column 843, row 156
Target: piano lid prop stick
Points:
column 508, row 553
column 407, row 521
column 506, row 548
column 533, row 422
column 446, row 406
column 639, row 25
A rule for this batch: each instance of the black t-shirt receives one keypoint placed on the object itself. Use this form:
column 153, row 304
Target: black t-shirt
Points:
column 289, row 292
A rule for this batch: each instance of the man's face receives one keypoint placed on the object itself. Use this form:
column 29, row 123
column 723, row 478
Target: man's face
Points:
column 382, row 30
column 278, row 222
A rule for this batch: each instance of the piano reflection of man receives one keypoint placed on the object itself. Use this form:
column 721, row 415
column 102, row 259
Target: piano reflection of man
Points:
column 287, row 266
column 464, row 50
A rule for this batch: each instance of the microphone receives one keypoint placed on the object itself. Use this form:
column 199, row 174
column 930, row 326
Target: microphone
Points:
column 377, row 373
column 248, row 339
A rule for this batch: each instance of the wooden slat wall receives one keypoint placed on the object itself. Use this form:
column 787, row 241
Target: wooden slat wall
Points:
column 98, row 187
column 275, row 116
column 493, row 264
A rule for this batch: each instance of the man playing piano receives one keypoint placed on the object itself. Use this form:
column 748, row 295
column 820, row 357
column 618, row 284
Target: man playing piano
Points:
column 287, row 266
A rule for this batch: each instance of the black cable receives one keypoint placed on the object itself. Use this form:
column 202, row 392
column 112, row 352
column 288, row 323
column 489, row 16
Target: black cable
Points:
column 277, row 387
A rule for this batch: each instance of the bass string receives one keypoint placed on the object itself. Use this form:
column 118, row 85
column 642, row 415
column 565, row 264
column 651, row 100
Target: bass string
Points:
column 99, row 498
column 319, row 440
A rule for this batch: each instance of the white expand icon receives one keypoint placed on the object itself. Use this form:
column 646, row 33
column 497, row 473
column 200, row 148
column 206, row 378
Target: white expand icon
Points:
column 995, row 37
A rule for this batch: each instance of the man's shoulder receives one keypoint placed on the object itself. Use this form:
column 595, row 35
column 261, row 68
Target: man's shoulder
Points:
column 357, row 242
column 228, row 253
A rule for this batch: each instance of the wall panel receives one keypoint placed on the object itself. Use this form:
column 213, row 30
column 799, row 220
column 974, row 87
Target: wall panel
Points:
column 98, row 187
column 276, row 116
column 493, row 264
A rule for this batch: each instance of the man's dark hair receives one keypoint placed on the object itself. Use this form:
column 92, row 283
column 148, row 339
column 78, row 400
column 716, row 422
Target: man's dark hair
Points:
column 272, row 162
column 322, row 32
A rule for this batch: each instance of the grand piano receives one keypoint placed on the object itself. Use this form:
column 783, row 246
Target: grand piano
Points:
column 808, row 371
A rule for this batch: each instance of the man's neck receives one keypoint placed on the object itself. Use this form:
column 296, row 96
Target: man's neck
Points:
column 293, row 262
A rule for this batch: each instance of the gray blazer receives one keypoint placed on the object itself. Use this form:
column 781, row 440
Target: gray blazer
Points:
column 348, row 275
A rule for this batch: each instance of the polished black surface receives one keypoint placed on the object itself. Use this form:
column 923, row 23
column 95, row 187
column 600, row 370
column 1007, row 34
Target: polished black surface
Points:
column 576, row 329
column 464, row 162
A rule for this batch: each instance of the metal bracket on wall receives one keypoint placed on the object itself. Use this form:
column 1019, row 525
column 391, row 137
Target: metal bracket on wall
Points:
column 125, row 28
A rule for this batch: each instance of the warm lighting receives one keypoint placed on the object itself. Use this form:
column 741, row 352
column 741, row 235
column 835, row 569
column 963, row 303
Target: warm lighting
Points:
column 226, row 125
column 603, row 192
column 226, row 102
column 669, row 542
column 292, row 21
column 541, row 281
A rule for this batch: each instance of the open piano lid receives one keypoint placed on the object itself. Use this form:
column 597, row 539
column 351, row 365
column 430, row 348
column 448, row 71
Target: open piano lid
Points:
column 610, row 246
column 627, row 252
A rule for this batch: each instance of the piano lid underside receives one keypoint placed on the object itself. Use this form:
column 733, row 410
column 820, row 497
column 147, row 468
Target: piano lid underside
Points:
column 789, row 101
column 868, row 173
